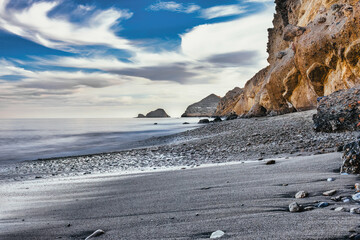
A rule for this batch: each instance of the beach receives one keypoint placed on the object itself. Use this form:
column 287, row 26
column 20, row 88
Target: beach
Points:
column 188, row 185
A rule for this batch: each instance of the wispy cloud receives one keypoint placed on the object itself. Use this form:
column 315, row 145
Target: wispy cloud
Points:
column 222, row 11
column 174, row 7
column 34, row 23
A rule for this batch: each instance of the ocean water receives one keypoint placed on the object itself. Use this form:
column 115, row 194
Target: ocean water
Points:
column 31, row 139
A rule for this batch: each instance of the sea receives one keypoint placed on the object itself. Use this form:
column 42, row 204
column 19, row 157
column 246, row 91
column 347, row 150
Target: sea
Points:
column 31, row 139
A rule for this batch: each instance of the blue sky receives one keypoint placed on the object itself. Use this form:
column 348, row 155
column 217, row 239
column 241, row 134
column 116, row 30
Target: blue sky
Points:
column 117, row 58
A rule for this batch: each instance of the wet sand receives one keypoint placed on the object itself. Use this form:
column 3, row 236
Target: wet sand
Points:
column 246, row 201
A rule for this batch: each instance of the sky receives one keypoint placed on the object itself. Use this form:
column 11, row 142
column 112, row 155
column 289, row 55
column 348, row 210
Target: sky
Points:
column 118, row 58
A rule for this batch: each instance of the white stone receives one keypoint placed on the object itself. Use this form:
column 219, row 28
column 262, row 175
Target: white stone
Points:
column 301, row 194
column 356, row 197
column 339, row 209
column 217, row 234
column 294, row 207
column 95, row 234
column 330, row 179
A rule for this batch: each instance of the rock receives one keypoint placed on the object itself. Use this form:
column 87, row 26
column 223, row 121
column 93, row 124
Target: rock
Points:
column 356, row 197
column 186, row 123
column 232, row 116
column 346, row 200
column 322, row 204
column 301, row 194
column 339, row 209
column 357, row 187
column 270, row 162
column 204, row 108
column 295, row 207
column 217, row 234
column 351, row 158
column 355, row 210
column 330, row 179
column 337, row 198
column 158, row 113
column 309, row 208
column 338, row 111
column 141, row 115
column 225, row 106
column 280, row 54
column 291, row 31
column 95, row 234
column 204, row 120
column 217, row 119
column 329, row 193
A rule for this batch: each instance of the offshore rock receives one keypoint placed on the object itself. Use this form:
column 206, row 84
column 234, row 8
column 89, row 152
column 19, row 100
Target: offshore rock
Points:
column 339, row 111
column 204, row 108
column 158, row 113
column 314, row 50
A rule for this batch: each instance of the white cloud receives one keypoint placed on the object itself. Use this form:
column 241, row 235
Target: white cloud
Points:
column 174, row 7
column 222, row 11
column 34, row 23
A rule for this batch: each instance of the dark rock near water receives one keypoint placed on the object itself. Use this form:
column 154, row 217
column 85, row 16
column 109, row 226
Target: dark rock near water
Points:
column 204, row 120
column 217, row 119
column 232, row 116
column 141, row 115
column 338, row 111
column 204, row 108
column 270, row 162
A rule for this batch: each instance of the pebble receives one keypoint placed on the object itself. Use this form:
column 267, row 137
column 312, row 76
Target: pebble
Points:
column 301, row 194
column 329, row 193
column 95, row 234
column 339, row 209
column 330, row 179
column 346, row 200
column 217, row 234
column 355, row 210
column 309, row 208
column 356, row 196
column 337, row 198
column 357, row 187
column 294, row 207
column 322, row 204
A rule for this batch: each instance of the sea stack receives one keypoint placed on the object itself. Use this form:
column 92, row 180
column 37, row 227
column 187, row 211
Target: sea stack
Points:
column 204, row 108
column 158, row 113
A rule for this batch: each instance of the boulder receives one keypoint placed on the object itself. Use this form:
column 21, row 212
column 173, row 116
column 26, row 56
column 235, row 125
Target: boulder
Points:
column 338, row 111
column 204, row 108
column 141, row 115
column 204, row 121
column 351, row 158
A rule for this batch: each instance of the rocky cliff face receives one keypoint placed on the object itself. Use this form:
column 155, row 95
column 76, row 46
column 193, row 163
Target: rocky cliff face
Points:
column 314, row 50
column 204, row 108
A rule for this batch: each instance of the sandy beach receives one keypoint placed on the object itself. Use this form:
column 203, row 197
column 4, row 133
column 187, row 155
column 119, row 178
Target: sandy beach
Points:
column 188, row 185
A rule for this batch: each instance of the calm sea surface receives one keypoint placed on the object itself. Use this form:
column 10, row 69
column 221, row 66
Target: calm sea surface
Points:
column 30, row 139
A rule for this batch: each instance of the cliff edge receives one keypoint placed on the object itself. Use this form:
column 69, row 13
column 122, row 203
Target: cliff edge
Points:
column 314, row 50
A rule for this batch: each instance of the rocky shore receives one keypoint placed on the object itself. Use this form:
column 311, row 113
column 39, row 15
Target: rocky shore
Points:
column 236, row 140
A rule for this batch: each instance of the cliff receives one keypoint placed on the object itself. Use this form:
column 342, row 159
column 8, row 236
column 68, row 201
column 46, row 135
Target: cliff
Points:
column 158, row 113
column 204, row 108
column 314, row 50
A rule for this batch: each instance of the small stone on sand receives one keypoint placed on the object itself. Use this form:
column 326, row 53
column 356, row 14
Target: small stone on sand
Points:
column 301, row 194
column 95, row 234
column 322, row 204
column 329, row 193
column 270, row 162
column 294, row 207
column 217, row 234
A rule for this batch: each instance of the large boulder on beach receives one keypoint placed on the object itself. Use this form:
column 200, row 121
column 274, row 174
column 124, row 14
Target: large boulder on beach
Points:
column 338, row 111
column 204, row 108
column 351, row 158
column 158, row 113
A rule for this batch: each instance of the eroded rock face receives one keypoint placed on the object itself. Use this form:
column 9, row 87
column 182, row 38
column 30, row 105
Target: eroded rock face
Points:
column 314, row 50
column 338, row 111
column 204, row 108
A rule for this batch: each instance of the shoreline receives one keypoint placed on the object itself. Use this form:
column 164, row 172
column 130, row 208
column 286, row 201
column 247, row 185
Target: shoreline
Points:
column 228, row 141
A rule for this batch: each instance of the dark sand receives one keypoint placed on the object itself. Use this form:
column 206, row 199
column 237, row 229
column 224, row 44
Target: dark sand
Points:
column 246, row 201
